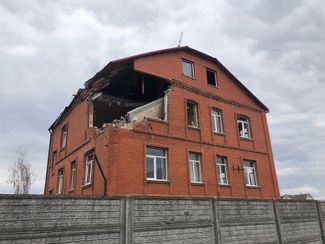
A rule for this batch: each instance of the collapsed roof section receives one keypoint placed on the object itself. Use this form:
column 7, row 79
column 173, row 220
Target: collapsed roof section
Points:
column 129, row 94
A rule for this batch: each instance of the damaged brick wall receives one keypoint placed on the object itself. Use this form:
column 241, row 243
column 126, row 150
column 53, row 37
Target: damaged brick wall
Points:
column 120, row 147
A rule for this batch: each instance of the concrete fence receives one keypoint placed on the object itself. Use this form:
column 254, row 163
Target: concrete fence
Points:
column 46, row 219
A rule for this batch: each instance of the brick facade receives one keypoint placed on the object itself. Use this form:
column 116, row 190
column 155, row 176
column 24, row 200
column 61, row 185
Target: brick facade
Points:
column 121, row 150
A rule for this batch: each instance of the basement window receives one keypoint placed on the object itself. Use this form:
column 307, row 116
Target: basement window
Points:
column 89, row 168
column 195, row 167
column 250, row 173
column 156, row 163
column 192, row 116
column 188, row 68
column 211, row 77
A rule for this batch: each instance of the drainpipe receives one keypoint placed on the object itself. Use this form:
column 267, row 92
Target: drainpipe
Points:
column 103, row 175
column 48, row 162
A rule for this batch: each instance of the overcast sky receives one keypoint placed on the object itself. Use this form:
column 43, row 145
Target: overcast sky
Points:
column 48, row 49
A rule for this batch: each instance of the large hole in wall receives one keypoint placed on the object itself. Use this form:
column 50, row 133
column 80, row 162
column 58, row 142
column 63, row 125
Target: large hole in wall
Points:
column 132, row 92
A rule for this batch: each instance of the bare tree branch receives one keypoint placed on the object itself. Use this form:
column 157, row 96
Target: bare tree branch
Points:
column 20, row 174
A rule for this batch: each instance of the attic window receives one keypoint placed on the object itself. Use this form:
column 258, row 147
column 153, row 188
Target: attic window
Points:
column 211, row 77
column 188, row 68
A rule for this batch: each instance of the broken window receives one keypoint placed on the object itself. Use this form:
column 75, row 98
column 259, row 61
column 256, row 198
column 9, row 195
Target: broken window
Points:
column 195, row 167
column 192, row 114
column 54, row 160
column 188, row 68
column 216, row 120
column 250, row 173
column 211, row 77
column 60, row 181
column 156, row 163
column 72, row 175
column 64, row 135
column 222, row 170
column 89, row 168
column 243, row 127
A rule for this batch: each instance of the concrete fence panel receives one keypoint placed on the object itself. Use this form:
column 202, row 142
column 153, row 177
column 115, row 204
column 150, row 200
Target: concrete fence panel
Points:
column 173, row 221
column 59, row 220
column 246, row 221
column 299, row 221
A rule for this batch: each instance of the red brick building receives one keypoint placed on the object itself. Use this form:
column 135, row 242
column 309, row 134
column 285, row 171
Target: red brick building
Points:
column 168, row 122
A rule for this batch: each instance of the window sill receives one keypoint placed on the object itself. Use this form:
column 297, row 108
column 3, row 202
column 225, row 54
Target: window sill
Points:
column 253, row 187
column 62, row 148
column 86, row 186
column 193, row 128
column 218, row 133
column 71, row 191
column 246, row 139
column 224, row 185
column 192, row 78
column 198, row 183
column 214, row 86
column 158, row 181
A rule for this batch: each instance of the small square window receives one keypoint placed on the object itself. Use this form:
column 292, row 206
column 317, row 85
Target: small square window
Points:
column 188, row 68
column 211, row 77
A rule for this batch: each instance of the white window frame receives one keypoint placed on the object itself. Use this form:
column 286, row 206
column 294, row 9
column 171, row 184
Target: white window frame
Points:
column 89, row 168
column 219, row 170
column 192, row 68
column 73, row 175
column 64, row 136
column 244, row 122
column 60, row 181
column 215, row 119
column 248, row 170
column 154, row 157
column 196, row 117
column 197, row 176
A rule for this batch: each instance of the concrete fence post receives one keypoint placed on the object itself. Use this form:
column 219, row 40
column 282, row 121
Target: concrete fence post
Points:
column 127, row 220
column 320, row 218
column 277, row 221
column 216, row 221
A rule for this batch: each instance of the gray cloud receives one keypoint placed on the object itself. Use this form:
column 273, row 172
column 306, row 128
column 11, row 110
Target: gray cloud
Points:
column 49, row 48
